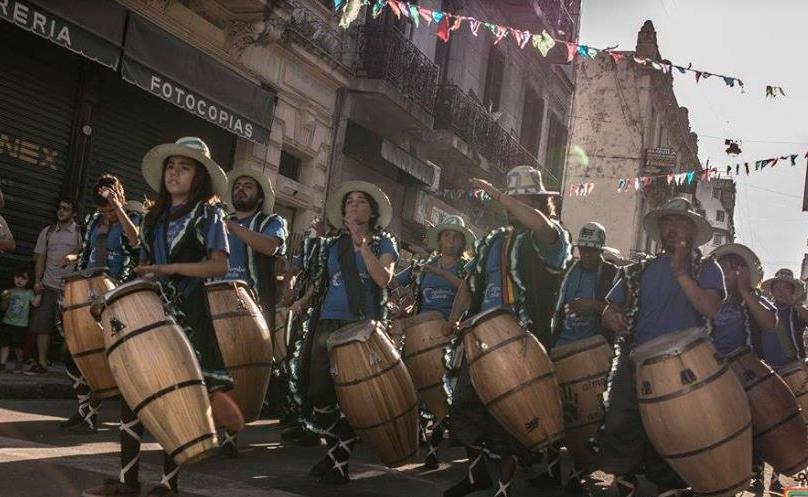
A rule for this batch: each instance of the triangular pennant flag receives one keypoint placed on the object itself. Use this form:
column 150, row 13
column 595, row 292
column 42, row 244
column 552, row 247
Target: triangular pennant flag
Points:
column 655, row 65
column 681, row 69
column 666, row 68
column 405, row 8
column 583, row 50
column 639, row 60
column 616, row 57
column 729, row 169
column 377, row 8
column 426, row 15
column 394, row 7
column 522, row 37
column 458, row 22
column 737, row 169
column 501, row 33
column 698, row 76
column 571, row 49
column 543, row 43
column 774, row 161
column 729, row 81
column 338, row 4
column 437, row 15
column 443, row 29
column 592, row 52
column 474, row 25
column 415, row 15
column 671, row 176
column 636, row 184
column 591, row 187
column 746, row 166
column 706, row 75
column 350, row 13
column 793, row 158
column 620, row 184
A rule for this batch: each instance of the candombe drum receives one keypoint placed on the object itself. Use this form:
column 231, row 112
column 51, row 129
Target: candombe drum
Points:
column 695, row 411
column 778, row 430
column 795, row 374
column 423, row 354
column 513, row 377
column 82, row 336
column 156, row 370
column 280, row 334
column 582, row 368
column 375, row 390
column 244, row 341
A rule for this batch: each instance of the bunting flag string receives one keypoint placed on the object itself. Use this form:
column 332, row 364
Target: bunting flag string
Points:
column 543, row 42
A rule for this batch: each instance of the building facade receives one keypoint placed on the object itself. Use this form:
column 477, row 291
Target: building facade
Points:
column 716, row 201
column 423, row 116
column 89, row 88
column 626, row 124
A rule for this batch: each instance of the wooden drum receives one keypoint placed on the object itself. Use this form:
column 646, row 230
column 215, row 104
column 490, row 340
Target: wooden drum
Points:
column 280, row 334
column 778, row 430
column 375, row 390
column 582, row 368
column 695, row 411
column 83, row 338
column 795, row 374
column 245, row 342
column 513, row 377
column 423, row 354
column 156, row 369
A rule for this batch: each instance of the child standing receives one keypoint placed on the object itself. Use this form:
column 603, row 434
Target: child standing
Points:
column 17, row 303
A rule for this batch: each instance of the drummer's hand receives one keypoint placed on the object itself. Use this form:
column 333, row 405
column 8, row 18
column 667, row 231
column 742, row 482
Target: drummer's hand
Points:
column 613, row 319
column 154, row 270
column 583, row 306
column 68, row 260
column 679, row 259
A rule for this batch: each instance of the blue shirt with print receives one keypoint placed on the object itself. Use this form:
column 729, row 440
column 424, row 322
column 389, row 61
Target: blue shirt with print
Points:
column 664, row 307
column 729, row 328
column 335, row 303
column 214, row 239
column 437, row 294
column 115, row 249
column 778, row 345
column 554, row 256
column 580, row 285
column 237, row 270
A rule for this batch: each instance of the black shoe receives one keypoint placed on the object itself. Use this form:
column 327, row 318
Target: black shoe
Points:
column 334, row 476
column 756, row 487
column 229, row 450
column 72, row 422
column 575, row 488
column 430, row 463
column 321, row 468
column 309, row 439
column 482, row 481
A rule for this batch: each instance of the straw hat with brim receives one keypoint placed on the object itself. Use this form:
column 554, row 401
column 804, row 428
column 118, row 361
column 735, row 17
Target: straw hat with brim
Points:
column 333, row 207
column 188, row 146
column 788, row 276
column 526, row 180
column 263, row 183
column 745, row 253
column 135, row 206
column 450, row 223
column 678, row 206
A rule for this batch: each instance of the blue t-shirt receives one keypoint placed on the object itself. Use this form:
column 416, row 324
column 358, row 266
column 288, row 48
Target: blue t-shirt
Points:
column 729, row 330
column 778, row 345
column 580, row 285
column 214, row 239
column 115, row 249
column 437, row 294
column 664, row 307
column 335, row 303
column 554, row 256
column 238, row 265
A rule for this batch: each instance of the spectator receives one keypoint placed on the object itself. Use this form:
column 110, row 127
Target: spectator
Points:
column 57, row 249
column 7, row 243
column 16, row 302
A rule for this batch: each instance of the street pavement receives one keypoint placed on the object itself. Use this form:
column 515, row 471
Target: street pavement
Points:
column 38, row 459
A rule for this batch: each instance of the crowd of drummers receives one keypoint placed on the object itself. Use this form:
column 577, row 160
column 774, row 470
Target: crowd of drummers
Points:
column 685, row 369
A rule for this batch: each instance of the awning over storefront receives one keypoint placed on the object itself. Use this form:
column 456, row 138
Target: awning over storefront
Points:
column 411, row 165
column 92, row 28
column 175, row 71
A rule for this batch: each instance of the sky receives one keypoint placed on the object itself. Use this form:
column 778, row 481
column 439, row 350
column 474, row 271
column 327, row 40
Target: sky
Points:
column 760, row 43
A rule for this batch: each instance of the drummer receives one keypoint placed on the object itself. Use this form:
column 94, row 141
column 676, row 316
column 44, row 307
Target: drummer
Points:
column 256, row 238
column 744, row 318
column 183, row 241
column 435, row 287
column 349, row 277
column 787, row 344
column 536, row 246
column 659, row 295
column 110, row 240
column 580, row 303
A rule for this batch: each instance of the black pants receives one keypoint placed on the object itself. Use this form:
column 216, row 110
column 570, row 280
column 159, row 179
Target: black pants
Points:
column 131, row 438
column 624, row 448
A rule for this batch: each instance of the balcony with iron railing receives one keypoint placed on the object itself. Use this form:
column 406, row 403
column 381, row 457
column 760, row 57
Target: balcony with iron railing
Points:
column 312, row 29
column 390, row 65
column 466, row 118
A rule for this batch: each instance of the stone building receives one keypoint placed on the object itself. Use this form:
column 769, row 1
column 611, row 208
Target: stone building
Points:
column 422, row 116
column 89, row 88
column 626, row 123
column 716, row 201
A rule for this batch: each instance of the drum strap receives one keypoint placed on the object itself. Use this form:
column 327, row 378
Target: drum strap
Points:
column 504, row 488
column 129, row 429
column 169, row 480
column 230, row 439
column 350, row 274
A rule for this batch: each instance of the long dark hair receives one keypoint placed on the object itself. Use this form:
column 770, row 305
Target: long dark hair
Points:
column 374, row 209
column 201, row 191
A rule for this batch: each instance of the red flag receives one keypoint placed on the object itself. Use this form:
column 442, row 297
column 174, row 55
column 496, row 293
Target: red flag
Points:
column 394, row 7
column 443, row 29
column 616, row 57
column 571, row 49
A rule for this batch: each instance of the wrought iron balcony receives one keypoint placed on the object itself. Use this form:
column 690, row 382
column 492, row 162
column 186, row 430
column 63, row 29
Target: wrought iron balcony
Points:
column 311, row 28
column 385, row 53
column 458, row 112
